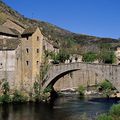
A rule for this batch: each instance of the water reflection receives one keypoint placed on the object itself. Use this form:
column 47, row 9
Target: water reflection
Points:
column 65, row 108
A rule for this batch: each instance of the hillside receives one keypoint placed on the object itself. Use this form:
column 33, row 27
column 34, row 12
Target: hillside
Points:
column 75, row 43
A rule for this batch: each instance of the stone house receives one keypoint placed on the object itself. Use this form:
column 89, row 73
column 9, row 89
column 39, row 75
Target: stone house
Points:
column 21, row 53
column 117, row 54
column 20, row 57
column 31, row 56
column 8, row 46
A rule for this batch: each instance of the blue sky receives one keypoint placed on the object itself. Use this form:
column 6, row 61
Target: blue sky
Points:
column 93, row 17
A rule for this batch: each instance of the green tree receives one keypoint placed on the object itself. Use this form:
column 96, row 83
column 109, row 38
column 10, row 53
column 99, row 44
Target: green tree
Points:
column 81, row 90
column 115, row 110
column 89, row 57
column 107, row 57
column 37, row 91
column 18, row 97
column 61, row 56
column 5, row 98
column 106, row 85
column 107, row 88
column 5, row 87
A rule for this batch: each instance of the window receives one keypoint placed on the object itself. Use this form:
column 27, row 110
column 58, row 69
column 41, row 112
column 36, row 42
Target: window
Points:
column 37, row 62
column 37, row 38
column 37, row 50
column 27, row 37
column 27, row 50
column 27, row 62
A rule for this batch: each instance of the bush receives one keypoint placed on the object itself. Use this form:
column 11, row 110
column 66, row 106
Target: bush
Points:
column 89, row 57
column 5, row 98
column 81, row 90
column 48, row 89
column 115, row 110
column 107, row 57
column 106, row 85
column 36, row 91
column 18, row 97
column 106, row 88
column 104, row 117
column 5, row 87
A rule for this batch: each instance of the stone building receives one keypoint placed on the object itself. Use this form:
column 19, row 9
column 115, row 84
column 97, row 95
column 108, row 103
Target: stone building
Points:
column 117, row 54
column 21, row 56
column 31, row 56
column 8, row 47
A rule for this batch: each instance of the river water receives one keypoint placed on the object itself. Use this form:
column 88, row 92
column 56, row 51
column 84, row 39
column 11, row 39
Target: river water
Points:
column 64, row 108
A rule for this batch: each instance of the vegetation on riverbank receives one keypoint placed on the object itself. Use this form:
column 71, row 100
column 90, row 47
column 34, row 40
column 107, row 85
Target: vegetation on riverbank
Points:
column 22, row 97
column 113, row 114
column 106, row 88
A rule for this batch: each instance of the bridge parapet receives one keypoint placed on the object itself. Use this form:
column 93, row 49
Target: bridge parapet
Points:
column 105, row 71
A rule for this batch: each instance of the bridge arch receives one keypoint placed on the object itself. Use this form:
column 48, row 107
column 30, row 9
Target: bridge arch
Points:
column 104, row 71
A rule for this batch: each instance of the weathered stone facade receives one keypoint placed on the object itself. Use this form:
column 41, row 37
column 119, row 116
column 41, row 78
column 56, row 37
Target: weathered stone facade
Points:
column 72, row 75
column 20, row 57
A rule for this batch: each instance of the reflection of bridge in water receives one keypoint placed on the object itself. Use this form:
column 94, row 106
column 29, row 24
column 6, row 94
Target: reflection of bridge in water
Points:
column 102, row 71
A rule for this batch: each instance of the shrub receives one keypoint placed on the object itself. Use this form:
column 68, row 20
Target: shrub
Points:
column 107, row 57
column 106, row 85
column 5, row 98
column 5, row 87
column 48, row 89
column 18, row 97
column 89, row 57
column 106, row 88
column 81, row 90
column 115, row 110
column 36, row 87
column 104, row 117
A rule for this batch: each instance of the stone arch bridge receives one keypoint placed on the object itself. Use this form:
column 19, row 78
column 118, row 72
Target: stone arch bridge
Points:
column 100, row 71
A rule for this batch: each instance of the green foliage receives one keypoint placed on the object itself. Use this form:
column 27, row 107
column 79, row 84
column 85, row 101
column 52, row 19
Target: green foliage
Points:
column 104, row 117
column 105, row 85
column 36, row 87
column 18, row 97
column 36, row 91
column 115, row 110
column 89, row 57
column 105, row 46
column 81, row 90
column 48, row 89
column 5, row 98
column 114, row 113
column 107, row 57
column 107, row 88
column 5, row 87
column 61, row 56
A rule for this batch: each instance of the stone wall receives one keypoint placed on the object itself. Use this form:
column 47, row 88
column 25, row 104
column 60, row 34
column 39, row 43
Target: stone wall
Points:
column 7, row 66
column 82, row 74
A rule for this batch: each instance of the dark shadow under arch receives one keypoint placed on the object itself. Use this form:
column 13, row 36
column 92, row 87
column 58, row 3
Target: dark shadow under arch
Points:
column 53, row 81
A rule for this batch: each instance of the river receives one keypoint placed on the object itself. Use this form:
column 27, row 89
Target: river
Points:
column 64, row 108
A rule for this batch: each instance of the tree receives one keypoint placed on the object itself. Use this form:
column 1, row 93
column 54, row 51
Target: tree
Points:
column 107, row 57
column 6, row 87
column 61, row 56
column 81, row 90
column 107, row 88
column 89, row 57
